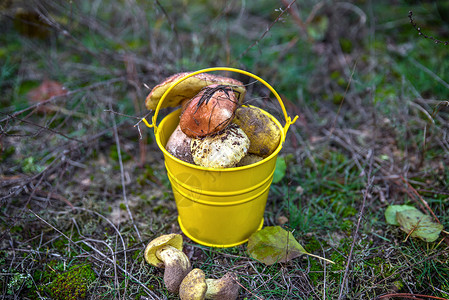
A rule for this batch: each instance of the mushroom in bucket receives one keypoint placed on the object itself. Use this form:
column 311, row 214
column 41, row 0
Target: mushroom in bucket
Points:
column 215, row 130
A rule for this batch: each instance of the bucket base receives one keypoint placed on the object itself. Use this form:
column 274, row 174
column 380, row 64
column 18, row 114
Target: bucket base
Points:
column 184, row 230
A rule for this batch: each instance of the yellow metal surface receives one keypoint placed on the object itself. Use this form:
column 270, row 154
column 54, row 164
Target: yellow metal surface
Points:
column 218, row 207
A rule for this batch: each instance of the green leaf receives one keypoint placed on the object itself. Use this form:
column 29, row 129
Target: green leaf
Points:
column 419, row 225
column 390, row 213
column 274, row 244
column 279, row 172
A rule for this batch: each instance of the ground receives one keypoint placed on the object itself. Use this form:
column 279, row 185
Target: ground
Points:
column 83, row 186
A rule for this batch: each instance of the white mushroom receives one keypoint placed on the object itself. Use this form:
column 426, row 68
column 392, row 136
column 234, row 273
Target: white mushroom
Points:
column 222, row 150
column 178, row 145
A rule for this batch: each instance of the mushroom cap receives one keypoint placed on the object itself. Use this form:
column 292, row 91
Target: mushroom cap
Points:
column 173, row 239
column 178, row 145
column 188, row 88
column 263, row 133
column 249, row 159
column 193, row 286
column 223, row 150
column 225, row 288
column 209, row 111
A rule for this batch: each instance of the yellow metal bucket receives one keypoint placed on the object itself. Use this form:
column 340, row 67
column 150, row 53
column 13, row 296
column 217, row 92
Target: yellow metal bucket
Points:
column 218, row 207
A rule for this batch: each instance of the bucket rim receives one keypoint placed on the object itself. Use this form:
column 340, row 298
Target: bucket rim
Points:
column 233, row 169
column 288, row 120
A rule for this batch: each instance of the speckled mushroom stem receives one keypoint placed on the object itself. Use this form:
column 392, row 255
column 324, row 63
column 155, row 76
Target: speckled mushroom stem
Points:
column 224, row 288
column 177, row 266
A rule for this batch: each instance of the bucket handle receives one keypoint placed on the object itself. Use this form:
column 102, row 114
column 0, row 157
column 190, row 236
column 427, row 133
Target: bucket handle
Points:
column 288, row 119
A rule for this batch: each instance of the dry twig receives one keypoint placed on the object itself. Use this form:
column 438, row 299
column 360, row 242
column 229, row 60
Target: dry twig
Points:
column 412, row 21
column 359, row 221
column 266, row 31
column 408, row 296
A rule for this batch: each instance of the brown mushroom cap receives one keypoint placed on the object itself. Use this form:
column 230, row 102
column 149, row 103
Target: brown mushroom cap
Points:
column 173, row 239
column 193, row 286
column 188, row 88
column 210, row 111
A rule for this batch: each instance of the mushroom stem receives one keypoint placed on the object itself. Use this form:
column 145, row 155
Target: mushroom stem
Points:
column 193, row 286
column 225, row 288
column 177, row 266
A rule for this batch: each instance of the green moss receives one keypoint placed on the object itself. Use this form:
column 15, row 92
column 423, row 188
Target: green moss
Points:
column 341, row 208
column 72, row 284
column 398, row 285
column 316, row 272
column 60, row 243
column 160, row 209
column 146, row 175
column 29, row 165
column 137, row 256
column 312, row 245
column 6, row 152
column 16, row 229
column 114, row 155
column 17, row 281
column 346, row 45
column 339, row 260
column 346, row 225
column 337, row 98
column 380, row 266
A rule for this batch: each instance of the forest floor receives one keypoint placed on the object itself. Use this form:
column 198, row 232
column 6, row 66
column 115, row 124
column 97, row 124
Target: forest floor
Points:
column 83, row 185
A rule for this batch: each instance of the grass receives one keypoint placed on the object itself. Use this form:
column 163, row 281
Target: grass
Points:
column 83, row 191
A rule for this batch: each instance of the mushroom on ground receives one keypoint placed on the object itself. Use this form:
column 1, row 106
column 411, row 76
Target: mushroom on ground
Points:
column 166, row 252
column 193, row 286
column 222, row 150
column 209, row 112
column 188, row 88
column 196, row 287
column 224, row 288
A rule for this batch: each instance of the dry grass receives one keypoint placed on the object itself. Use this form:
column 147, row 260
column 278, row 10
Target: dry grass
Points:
column 81, row 186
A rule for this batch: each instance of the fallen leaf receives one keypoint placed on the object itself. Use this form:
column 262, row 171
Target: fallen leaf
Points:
column 390, row 213
column 419, row 225
column 46, row 90
column 279, row 171
column 274, row 244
